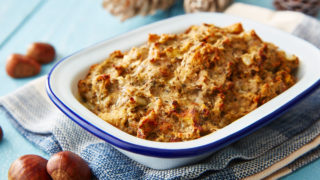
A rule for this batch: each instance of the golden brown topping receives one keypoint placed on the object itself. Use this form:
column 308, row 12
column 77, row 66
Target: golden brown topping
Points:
column 153, row 38
column 235, row 28
column 179, row 87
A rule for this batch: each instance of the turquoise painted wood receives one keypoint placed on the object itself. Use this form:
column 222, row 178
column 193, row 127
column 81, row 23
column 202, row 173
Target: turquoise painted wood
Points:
column 10, row 20
column 70, row 26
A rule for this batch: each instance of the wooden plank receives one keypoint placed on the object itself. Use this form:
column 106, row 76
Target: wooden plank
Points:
column 13, row 13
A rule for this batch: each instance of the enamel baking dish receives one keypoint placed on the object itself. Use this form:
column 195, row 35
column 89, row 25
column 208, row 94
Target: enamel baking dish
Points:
column 63, row 78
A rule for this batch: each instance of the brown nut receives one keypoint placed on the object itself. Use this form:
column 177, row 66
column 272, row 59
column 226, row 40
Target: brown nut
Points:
column 42, row 52
column 28, row 167
column 1, row 133
column 67, row 165
column 20, row 66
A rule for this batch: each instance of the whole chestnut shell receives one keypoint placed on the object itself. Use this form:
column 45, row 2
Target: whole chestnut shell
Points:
column 28, row 167
column 42, row 52
column 21, row 66
column 67, row 165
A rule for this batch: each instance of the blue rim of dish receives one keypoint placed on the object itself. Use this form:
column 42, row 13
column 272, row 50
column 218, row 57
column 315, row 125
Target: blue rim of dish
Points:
column 171, row 153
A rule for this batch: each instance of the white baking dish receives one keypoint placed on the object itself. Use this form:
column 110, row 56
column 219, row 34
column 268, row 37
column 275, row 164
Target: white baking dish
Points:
column 63, row 78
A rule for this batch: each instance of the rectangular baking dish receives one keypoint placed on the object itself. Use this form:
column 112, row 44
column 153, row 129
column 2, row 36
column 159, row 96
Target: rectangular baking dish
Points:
column 64, row 76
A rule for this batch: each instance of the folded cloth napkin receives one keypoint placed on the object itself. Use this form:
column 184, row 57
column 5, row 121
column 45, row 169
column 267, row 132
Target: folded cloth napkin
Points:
column 281, row 147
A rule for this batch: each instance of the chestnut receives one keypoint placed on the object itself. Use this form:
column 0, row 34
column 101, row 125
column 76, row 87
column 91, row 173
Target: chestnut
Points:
column 20, row 66
column 28, row 167
column 43, row 53
column 69, row 166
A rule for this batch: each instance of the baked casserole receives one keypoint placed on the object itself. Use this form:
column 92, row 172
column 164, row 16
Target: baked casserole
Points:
column 179, row 87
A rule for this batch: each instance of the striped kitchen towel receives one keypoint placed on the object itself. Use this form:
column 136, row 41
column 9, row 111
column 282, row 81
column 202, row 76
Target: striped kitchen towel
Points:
column 281, row 147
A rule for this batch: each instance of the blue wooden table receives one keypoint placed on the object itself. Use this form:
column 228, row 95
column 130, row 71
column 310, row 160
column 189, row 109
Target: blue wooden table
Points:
column 69, row 26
